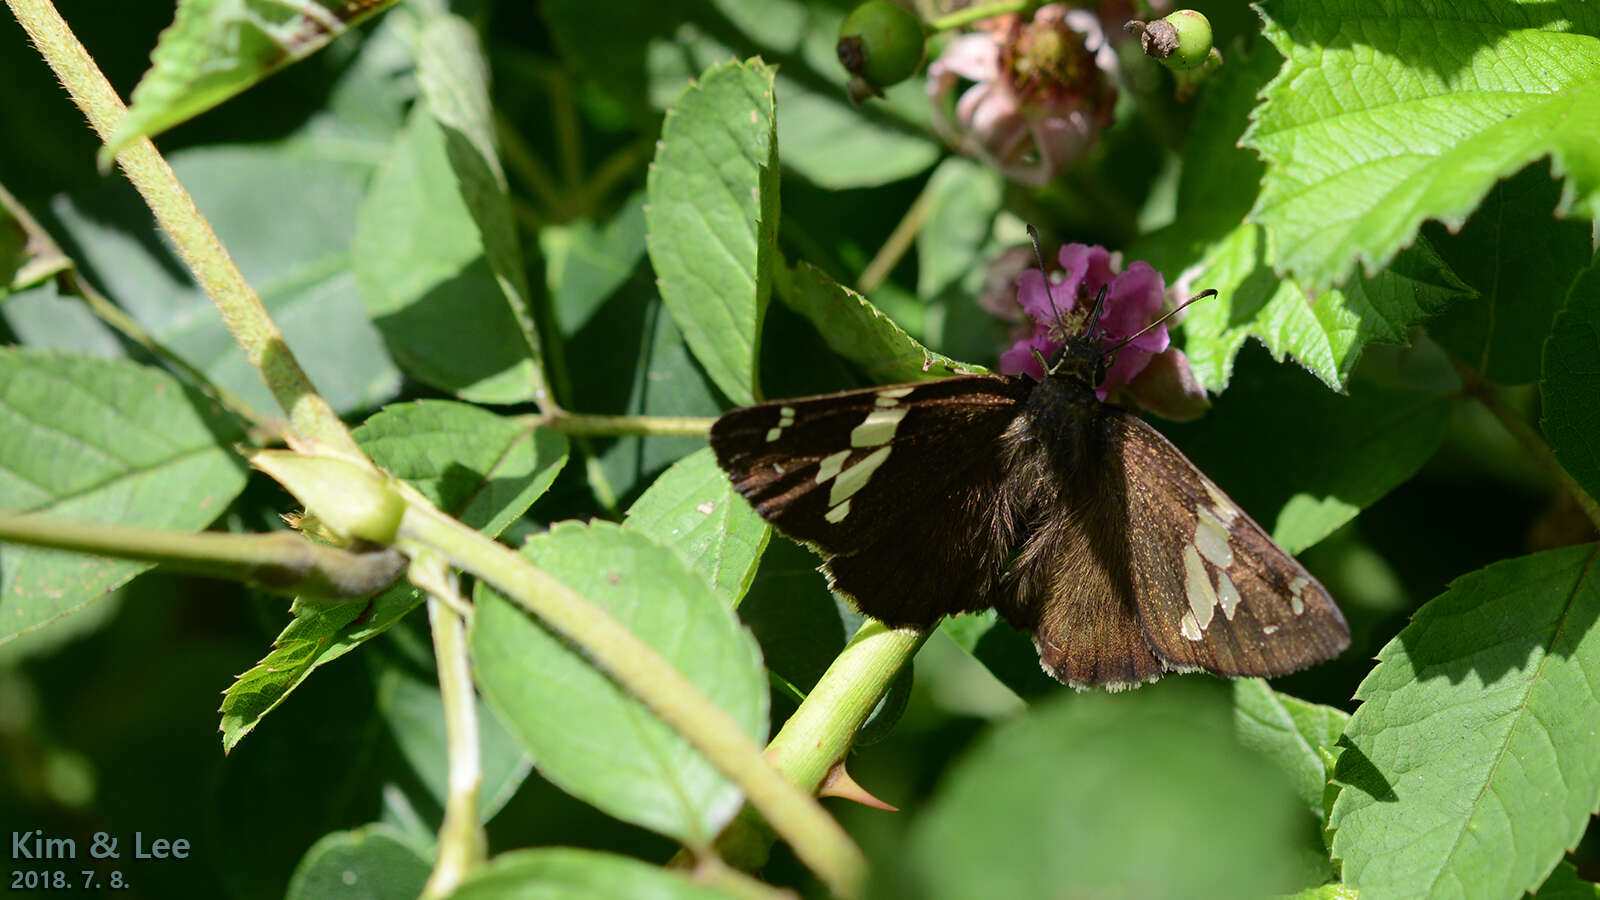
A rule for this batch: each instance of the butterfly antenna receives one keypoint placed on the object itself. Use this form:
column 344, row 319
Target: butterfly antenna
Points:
column 1140, row 333
column 1045, row 274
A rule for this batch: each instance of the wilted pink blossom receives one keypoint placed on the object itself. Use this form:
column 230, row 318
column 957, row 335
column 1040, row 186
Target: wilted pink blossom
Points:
column 1040, row 92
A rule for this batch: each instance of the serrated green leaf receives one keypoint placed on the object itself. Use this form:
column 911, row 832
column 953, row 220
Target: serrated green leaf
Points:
column 1326, row 333
column 484, row 469
column 1571, row 382
column 1346, row 451
column 1522, row 261
column 586, row 735
column 1145, row 794
column 426, row 274
column 693, row 510
column 562, row 873
column 1387, row 114
column 713, row 217
column 103, row 441
column 1291, row 732
column 215, row 49
column 374, row 862
column 1470, row 766
column 859, row 332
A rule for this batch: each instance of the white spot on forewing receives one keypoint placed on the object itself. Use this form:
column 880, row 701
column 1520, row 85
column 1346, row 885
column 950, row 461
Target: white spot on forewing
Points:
column 878, row 428
column 1269, row 629
column 855, row 478
column 1197, row 587
column 772, row 434
column 896, row 393
column 1211, row 536
column 1297, row 603
column 786, row 412
column 831, row 465
column 1188, row 626
column 1227, row 595
column 837, row 514
column 1226, row 511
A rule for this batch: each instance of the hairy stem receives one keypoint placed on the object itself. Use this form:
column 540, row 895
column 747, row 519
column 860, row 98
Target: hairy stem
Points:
column 175, row 211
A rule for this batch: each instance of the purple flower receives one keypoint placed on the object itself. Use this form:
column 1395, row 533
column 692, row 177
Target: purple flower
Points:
column 1147, row 370
column 1039, row 94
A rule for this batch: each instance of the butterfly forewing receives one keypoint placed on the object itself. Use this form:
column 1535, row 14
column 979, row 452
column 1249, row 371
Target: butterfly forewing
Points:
column 1214, row 592
column 893, row 485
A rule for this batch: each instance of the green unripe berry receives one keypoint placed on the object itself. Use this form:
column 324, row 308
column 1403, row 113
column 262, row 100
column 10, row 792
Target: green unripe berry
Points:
column 1194, row 40
column 1182, row 41
column 881, row 43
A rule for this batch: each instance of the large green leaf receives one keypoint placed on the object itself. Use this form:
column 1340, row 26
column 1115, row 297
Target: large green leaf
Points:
column 103, row 441
column 693, row 509
column 217, row 48
column 1387, row 114
column 1470, row 767
column 1299, row 737
column 1145, row 794
column 1571, row 382
column 712, row 218
column 1326, row 331
column 586, row 734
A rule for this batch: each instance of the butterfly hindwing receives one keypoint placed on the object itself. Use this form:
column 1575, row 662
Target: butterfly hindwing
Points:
column 893, row 485
column 1213, row 590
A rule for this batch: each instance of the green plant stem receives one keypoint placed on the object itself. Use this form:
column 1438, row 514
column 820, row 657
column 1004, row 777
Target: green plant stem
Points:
column 819, row 734
column 114, row 316
column 898, row 242
column 214, row 270
column 815, row 837
column 280, row 561
column 1479, row 389
column 821, row 730
column 578, row 424
column 978, row 13
column 463, row 843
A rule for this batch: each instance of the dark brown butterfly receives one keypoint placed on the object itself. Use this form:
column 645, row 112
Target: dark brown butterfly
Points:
column 1073, row 518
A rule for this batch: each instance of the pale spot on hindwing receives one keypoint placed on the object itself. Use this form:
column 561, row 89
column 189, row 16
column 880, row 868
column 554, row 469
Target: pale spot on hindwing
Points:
column 1224, row 507
column 1297, row 603
column 1197, row 587
column 1188, row 626
column 878, row 428
column 1211, row 537
column 1227, row 594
